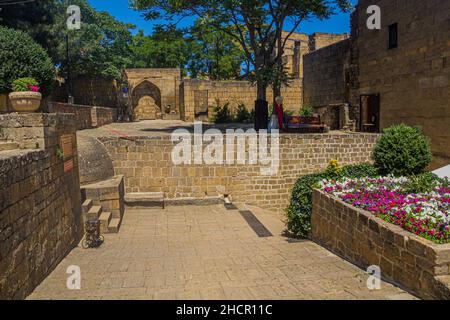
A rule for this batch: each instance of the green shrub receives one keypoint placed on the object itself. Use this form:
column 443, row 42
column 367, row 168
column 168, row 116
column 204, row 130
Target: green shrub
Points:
column 222, row 114
column 422, row 183
column 23, row 84
column 402, row 151
column 243, row 115
column 300, row 209
column 359, row 171
column 307, row 112
column 21, row 57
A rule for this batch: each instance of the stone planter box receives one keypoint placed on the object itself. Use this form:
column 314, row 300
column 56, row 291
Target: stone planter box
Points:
column 414, row 263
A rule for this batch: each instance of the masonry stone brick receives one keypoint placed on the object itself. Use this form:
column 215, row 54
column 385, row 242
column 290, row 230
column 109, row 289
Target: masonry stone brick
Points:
column 404, row 258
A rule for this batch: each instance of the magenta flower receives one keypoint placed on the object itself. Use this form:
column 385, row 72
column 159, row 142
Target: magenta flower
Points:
column 33, row 88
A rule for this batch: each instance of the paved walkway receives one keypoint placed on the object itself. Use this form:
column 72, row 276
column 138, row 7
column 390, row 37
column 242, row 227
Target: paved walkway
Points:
column 208, row 253
column 159, row 127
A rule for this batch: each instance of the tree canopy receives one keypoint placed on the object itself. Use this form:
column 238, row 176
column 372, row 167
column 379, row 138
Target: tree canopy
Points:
column 257, row 25
column 165, row 48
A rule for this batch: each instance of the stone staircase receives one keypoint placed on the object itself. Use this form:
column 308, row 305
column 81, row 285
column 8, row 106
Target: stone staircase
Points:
column 108, row 223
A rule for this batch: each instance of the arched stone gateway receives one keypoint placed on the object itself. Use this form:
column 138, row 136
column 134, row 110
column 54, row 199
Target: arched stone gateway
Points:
column 153, row 93
column 146, row 99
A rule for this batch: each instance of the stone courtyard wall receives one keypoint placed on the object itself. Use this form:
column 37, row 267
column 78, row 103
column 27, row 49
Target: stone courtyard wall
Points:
column 404, row 258
column 88, row 91
column 40, row 214
column 86, row 117
column 234, row 92
column 324, row 75
column 146, row 165
column 413, row 80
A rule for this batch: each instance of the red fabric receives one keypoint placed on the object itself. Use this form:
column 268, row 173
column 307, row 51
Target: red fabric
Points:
column 280, row 114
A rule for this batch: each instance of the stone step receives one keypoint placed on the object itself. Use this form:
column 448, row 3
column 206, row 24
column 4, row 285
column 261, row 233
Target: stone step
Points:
column 105, row 220
column 6, row 146
column 205, row 201
column 94, row 213
column 114, row 225
column 145, row 199
column 86, row 206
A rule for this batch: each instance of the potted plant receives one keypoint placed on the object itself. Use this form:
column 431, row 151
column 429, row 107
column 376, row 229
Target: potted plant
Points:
column 25, row 97
column 307, row 116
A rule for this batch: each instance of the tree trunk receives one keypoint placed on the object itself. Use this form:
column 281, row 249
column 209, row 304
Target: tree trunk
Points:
column 278, row 65
column 261, row 93
column 261, row 108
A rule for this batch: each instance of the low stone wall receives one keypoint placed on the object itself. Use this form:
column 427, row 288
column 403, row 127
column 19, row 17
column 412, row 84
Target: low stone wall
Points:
column 40, row 213
column 86, row 117
column 404, row 258
column 103, row 116
column 147, row 166
column 208, row 94
column 83, row 114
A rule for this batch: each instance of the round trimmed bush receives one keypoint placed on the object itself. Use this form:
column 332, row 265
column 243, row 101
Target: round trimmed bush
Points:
column 22, row 57
column 402, row 151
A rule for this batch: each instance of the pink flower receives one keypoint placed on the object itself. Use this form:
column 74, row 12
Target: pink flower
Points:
column 33, row 88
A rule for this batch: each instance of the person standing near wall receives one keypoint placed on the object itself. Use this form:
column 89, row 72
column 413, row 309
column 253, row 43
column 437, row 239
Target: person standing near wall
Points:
column 279, row 112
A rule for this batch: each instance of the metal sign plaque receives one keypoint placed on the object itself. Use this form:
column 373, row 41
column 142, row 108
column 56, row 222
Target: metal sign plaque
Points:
column 66, row 145
column 68, row 165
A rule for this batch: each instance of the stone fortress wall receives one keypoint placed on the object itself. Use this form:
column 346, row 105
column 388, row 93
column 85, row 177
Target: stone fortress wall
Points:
column 40, row 209
column 412, row 80
column 324, row 73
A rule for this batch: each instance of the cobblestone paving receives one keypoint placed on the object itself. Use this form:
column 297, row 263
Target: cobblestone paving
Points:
column 196, row 252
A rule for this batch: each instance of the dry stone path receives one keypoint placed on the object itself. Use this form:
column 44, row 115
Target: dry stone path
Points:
column 207, row 252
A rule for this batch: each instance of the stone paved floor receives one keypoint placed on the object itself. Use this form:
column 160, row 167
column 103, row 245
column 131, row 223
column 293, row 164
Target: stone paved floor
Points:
column 158, row 128
column 195, row 252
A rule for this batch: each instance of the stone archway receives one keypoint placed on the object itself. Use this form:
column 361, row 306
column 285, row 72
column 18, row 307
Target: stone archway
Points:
column 146, row 98
column 146, row 109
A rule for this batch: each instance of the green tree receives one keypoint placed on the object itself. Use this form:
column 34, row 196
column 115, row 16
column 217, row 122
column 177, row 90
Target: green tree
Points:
column 257, row 26
column 100, row 48
column 21, row 57
column 37, row 19
column 214, row 53
column 165, row 48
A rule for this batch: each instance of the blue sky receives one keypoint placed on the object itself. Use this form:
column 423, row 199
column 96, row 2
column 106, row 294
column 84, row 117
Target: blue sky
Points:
column 119, row 9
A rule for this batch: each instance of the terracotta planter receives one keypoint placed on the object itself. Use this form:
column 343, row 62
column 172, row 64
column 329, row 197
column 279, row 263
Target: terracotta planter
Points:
column 25, row 102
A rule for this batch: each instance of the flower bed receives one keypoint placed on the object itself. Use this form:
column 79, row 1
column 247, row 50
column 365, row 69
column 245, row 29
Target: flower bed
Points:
column 425, row 214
